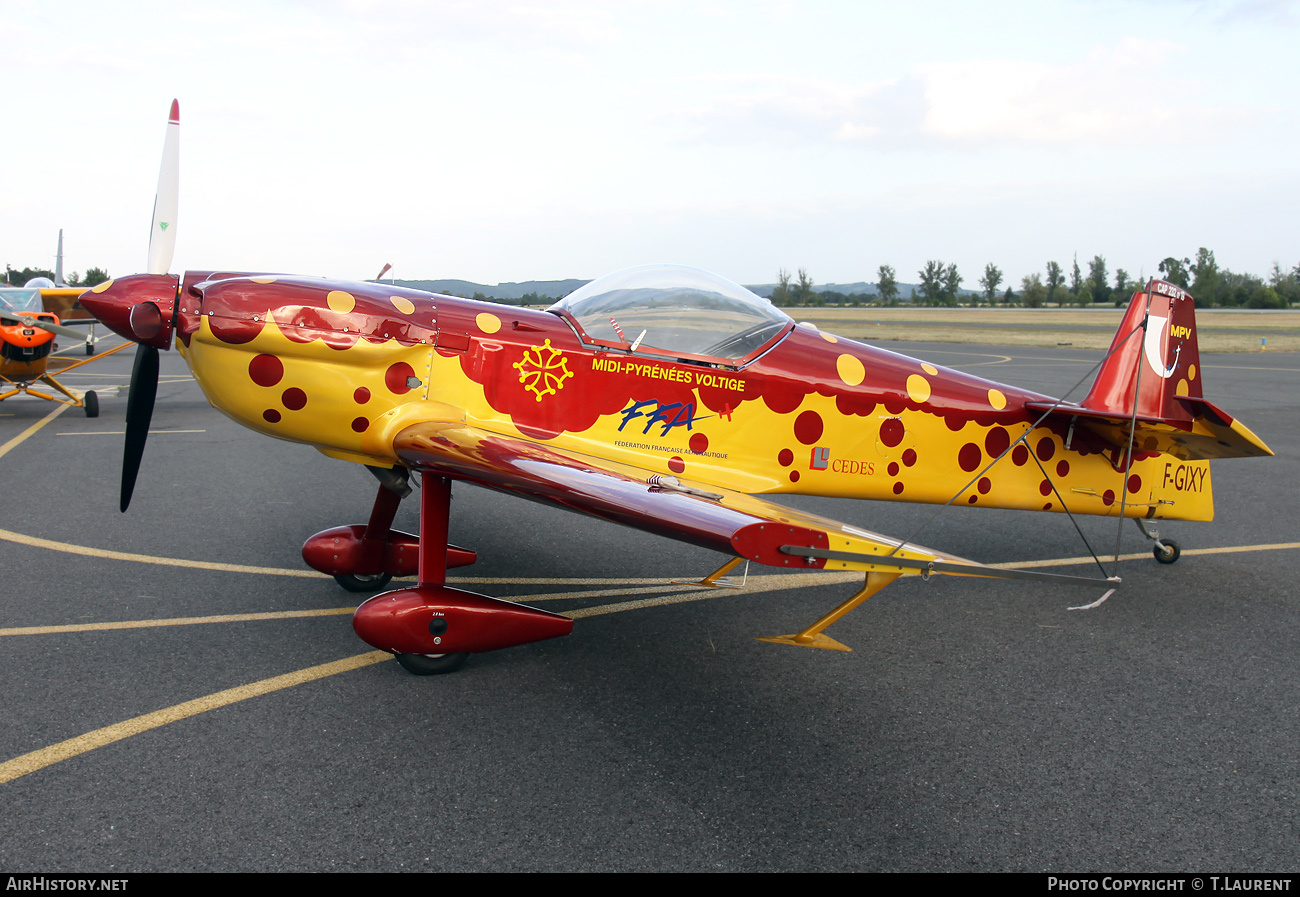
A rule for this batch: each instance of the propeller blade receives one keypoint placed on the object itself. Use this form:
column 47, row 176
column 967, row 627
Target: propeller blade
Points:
column 139, row 412
column 43, row 325
column 162, row 232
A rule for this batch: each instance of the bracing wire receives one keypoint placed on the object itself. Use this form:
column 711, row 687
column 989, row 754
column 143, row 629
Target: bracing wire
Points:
column 1023, row 439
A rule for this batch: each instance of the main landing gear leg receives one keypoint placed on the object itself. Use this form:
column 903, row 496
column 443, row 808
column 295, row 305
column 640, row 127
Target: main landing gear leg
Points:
column 365, row 558
column 435, row 523
column 433, row 627
column 1166, row 550
column 812, row 637
column 377, row 531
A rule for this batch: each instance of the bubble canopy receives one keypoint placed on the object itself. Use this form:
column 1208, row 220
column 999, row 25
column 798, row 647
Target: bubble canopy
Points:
column 676, row 311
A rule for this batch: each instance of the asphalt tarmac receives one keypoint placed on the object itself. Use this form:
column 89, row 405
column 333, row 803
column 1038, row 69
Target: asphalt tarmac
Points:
column 976, row 725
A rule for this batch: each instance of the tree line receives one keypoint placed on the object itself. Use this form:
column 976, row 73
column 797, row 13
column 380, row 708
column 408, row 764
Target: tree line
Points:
column 15, row 277
column 940, row 284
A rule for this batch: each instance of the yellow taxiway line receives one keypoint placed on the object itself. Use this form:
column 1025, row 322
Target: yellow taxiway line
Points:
column 13, row 443
column 69, row 548
column 64, row 750
column 123, row 432
column 72, row 747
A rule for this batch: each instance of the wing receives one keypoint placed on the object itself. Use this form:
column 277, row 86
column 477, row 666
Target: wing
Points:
column 700, row 514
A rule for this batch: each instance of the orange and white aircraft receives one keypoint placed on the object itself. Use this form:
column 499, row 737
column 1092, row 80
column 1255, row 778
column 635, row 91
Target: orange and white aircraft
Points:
column 662, row 398
column 26, row 341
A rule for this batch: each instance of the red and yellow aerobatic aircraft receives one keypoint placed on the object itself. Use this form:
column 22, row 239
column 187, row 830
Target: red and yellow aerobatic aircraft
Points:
column 663, row 398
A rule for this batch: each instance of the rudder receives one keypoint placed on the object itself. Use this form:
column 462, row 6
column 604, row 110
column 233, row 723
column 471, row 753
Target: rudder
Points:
column 1155, row 363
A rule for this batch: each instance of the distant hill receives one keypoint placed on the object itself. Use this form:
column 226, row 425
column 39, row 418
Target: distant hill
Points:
column 558, row 289
column 503, row 291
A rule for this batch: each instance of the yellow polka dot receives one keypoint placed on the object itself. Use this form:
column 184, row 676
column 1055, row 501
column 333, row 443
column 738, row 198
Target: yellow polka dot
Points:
column 1191, row 372
column 1181, row 389
column 488, row 322
column 402, row 304
column 829, row 338
column 997, row 399
column 99, row 288
column 929, row 368
column 341, row 302
column 263, row 279
column 918, row 388
column 850, row 369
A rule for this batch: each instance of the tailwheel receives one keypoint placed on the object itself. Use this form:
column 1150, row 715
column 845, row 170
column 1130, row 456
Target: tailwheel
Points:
column 1167, row 552
column 91, row 403
column 431, row 664
column 363, row 582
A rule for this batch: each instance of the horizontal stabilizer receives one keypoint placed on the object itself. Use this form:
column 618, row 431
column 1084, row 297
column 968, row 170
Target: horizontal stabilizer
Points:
column 1204, row 433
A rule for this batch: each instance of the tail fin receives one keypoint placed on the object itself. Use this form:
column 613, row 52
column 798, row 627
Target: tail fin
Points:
column 1148, row 392
column 1155, row 360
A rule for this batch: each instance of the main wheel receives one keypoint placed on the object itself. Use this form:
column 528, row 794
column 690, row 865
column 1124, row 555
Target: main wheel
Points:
column 91, row 403
column 364, row 582
column 431, row 664
column 90, row 348
column 1168, row 552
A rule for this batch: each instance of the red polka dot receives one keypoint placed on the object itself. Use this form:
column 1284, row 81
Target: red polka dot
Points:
column 699, row 443
column 1134, row 484
column 969, row 457
column 294, row 398
column 794, row 476
column 893, row 468
column 1108, row 498
column 898, row 488
column 676, row 464
column 1045, row 487
column 1047, row 507
column 271, row 416
column 361, row 395
column 1019, row 455
column 785, row 458
column 909, row 457
column 808, row 427
column 1046, row 448
column 396, row 376
column 972, row 499
column 984, row 485
column 891, row 432
column 1062, row 467
column 266, row 370
column 360, row 424
column 996, row 442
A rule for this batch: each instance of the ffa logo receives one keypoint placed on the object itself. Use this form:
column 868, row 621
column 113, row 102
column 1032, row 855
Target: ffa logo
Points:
column 668, row 416
column 543, row 370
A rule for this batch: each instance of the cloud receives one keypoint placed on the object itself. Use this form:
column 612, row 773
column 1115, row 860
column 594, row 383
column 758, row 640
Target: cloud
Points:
column 1275, row 12
column 563, row 25
column 1110, row 97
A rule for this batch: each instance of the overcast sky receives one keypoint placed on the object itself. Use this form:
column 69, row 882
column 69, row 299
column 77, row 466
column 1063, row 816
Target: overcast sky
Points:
column 542, row 139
